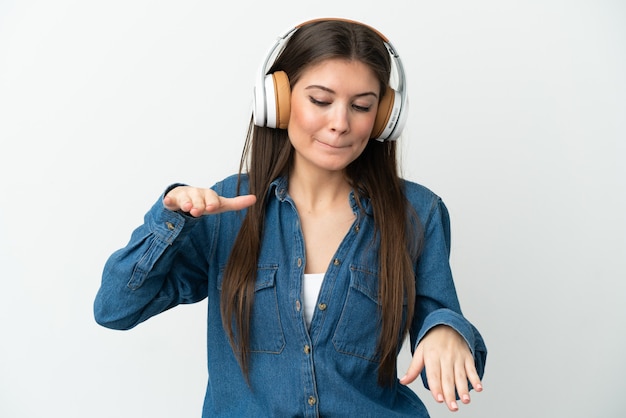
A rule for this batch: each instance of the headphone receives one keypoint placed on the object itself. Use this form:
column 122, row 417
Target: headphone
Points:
column 272, row 92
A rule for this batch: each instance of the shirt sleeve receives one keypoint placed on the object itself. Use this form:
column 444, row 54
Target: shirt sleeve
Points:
column 436, row 297
column 159, row 268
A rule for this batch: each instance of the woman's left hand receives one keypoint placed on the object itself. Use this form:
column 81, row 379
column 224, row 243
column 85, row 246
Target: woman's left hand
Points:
column 449, row 365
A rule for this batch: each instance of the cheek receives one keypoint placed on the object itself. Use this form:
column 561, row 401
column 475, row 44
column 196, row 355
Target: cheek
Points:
column 363, row 144
column 300, row 119
column 365, row 125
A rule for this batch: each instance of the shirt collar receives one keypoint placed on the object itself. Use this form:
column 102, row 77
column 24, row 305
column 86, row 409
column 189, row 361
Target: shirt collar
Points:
column 280, row 186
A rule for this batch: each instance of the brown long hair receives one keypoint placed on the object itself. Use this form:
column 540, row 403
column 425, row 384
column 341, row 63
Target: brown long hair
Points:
column 374, row 174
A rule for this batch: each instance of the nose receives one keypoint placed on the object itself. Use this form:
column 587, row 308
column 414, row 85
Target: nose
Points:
column 339, row 118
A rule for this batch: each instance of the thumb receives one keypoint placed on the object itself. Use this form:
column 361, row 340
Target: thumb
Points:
column 415, row 368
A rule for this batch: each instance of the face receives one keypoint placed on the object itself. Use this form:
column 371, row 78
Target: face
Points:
column 333, row 108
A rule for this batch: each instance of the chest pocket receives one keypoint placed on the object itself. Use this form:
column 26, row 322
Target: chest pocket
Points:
column 266, row 331
column 359, row 324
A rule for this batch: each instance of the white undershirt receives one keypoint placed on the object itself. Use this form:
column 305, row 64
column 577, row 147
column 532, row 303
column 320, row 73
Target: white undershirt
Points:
column 310, row 292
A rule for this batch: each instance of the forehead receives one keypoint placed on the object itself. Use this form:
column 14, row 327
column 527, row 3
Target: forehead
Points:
column 340, row 70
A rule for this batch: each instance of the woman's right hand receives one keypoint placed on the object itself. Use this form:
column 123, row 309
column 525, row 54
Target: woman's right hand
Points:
column 197, row 201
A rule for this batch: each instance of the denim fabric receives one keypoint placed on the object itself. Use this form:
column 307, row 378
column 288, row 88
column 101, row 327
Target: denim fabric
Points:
column 327, row 370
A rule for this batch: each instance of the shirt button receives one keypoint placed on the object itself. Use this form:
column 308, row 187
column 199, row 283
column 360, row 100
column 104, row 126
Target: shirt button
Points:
column 307, row 349
column 336, row 262
column 298, row 305
column 312, row 400
column 169, row 225
column 299, row 262
column 322, row 306
column 356, row 228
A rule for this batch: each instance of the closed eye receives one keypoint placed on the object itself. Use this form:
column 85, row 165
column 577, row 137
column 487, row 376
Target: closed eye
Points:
column 356, row 107
column 318, row 102
column 362, row 108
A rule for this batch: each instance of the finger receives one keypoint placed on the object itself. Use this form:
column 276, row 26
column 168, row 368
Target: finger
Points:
column 460, row 377
column 225, row 204
column 415, row 368
column 186, row 205
column 433, row 376
column 170, row 203
column 448, row 385
column 472, row 374
column 199, row 203
column 186, row 199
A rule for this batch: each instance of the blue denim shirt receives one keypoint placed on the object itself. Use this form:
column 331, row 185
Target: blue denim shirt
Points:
column 329, row 369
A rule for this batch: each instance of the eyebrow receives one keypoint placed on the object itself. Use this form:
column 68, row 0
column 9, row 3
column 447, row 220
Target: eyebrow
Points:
column 316, row 86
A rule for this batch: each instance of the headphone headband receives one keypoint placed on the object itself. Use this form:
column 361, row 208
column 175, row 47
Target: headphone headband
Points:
column 271, row 96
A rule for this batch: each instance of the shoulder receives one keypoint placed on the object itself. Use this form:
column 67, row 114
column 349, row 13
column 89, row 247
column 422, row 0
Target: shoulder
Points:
column 426, row 203
column 418, row 194
column 432, row 214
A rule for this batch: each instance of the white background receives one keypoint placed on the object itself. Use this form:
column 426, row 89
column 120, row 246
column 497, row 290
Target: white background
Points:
column 517, row 120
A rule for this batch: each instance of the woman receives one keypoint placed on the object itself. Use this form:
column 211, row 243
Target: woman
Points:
column 317, row 259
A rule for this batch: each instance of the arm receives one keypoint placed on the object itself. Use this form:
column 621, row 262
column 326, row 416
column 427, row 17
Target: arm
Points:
column 449, row 351
column 163, row 265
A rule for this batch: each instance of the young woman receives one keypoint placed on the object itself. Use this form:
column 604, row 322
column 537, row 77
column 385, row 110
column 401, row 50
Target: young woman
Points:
column 317, row 259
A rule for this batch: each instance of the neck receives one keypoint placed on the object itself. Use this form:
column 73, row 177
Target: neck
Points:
column 319, row 190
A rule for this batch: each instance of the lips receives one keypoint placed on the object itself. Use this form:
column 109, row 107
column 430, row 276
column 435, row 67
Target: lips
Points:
column 331, row 145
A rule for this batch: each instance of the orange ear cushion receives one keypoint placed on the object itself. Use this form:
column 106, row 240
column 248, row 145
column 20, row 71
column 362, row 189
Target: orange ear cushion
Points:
column 385, row 108
column 282, row 90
